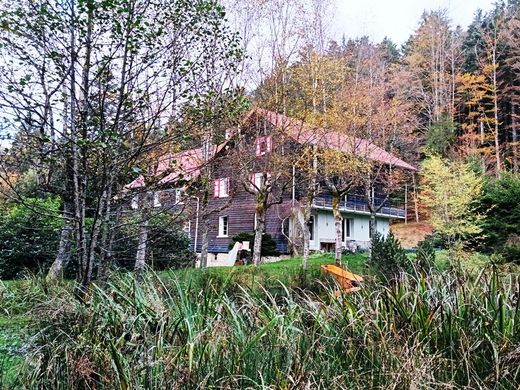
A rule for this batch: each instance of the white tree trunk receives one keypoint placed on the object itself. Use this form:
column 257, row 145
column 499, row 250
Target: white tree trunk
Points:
column 337, row 224
column 204, row 246
column 140, row 257
column 259, row 231
column 64, row 249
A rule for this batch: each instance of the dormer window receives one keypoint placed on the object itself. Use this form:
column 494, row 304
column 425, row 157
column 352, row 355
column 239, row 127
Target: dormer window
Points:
column 263, row 145
column 221, row 188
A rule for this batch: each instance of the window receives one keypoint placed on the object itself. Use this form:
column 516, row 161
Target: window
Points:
column 310, row 224
column 187, row 226
column 223, row 226
column 178, row 196
column 346, row 228
column 156, row 199
column 263, row 145
column 258, row 180
column 221, row 188
column 135, row 202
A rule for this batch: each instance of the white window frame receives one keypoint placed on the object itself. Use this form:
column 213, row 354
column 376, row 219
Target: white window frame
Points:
column 221, row 187
column 223, row 226
column 179, row 196
column 258, row 180
column 263, row 145
column 157, row 199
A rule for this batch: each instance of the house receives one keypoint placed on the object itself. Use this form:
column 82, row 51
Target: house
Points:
column 243, row 162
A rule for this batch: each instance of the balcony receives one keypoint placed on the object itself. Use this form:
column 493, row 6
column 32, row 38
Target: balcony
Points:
column 357, row 204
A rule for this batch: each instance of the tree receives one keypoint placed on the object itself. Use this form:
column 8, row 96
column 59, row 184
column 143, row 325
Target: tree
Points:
column 264, row 169
column 452, row 192
column 117, row 72
column 432, row 55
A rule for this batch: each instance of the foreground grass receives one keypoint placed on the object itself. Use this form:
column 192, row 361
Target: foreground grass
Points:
column 267, row 327
column 444, row 331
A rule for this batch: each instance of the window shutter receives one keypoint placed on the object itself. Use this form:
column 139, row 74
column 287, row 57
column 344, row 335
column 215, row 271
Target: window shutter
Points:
column 269, row 142
column 216, row 187
column 258, row 145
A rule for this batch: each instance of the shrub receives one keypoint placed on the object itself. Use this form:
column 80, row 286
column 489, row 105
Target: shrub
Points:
column 168, row 244
column 425, row 259
column 387, row 255
column 502, row 224
column 268, row 243
column 29, row 235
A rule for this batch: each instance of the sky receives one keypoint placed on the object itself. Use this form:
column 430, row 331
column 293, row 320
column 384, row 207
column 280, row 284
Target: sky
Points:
column 396, row 19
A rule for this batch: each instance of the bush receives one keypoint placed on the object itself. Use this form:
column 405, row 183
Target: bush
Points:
column 388, row 256
column 425, row 259
column 168, row 244
column 502, row 224
column 268, row 243
column 29, row 236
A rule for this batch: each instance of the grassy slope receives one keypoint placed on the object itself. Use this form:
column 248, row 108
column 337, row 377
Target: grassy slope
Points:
column 269, row 274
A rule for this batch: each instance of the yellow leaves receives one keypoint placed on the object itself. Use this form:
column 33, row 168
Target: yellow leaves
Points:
column 338, row 163
column 451, row 190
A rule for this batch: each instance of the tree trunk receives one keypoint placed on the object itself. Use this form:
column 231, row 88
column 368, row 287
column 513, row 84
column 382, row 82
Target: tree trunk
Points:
column 259, row 231
column 514, row 137
column 302, row 219
column 107, row 243
column 65, row 246
column 495, row 113
column 204, row 246
column 306, row 236
column 337, row 223
column 140, row 257
column 372, row 231
column 415, row 201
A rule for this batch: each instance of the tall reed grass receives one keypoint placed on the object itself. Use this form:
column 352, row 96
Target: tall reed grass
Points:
column 419, row 332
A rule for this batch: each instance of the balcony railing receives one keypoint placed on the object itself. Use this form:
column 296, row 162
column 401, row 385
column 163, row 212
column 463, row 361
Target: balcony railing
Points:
column 357, row 204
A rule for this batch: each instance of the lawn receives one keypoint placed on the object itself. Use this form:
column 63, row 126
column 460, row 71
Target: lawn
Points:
column 269, row 275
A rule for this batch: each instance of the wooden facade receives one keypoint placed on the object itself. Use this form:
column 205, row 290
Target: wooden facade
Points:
column 251, row 149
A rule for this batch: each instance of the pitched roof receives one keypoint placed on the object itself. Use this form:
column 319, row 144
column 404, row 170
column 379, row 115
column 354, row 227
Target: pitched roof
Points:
column 188, row 164
column 304, row 133
column 184, row 165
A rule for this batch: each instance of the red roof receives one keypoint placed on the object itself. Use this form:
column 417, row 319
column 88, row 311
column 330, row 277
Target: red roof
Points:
column 304, row 133
column 187, row 164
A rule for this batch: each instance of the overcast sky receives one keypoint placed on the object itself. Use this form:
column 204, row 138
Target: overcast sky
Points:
column 396, row 19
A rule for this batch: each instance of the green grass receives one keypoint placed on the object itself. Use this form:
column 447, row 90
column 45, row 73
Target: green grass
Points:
column 13, row 332
column 440, row 331
column 270, row 326
column 281, row 270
